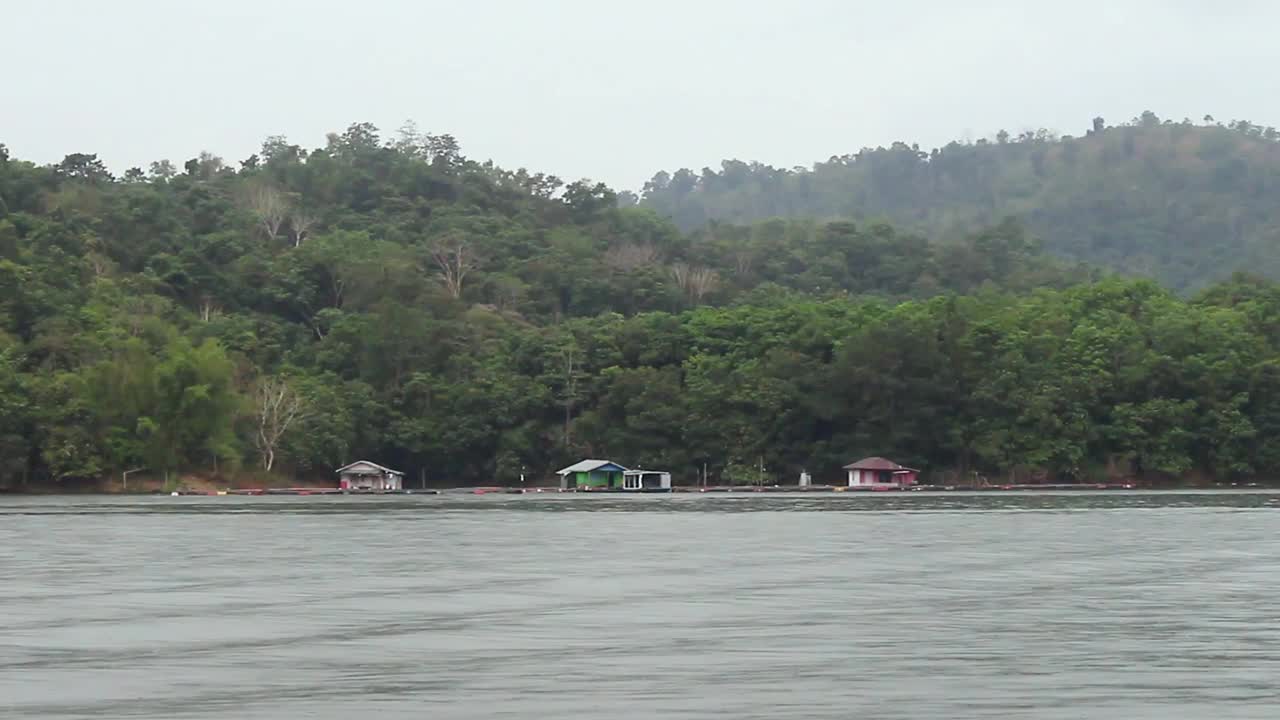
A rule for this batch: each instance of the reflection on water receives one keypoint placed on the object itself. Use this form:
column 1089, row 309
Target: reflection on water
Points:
column 986, row 605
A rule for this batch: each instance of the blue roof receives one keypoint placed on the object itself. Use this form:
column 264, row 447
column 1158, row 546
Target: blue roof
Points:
column 592, row 466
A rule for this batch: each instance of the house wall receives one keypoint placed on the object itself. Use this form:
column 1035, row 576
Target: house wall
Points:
column 595, row 479
column 650, row 481
column 349, row 481
column 859, row 478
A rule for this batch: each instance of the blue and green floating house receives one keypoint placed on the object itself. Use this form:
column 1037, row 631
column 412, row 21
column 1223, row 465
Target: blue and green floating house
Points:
column 609, row 475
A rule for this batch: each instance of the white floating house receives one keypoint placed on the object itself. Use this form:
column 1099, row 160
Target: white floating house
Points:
column 365, row 475
column 646, row 481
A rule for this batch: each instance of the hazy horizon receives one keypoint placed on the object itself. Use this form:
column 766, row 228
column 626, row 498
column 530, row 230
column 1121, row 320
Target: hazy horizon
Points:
column 615, row 93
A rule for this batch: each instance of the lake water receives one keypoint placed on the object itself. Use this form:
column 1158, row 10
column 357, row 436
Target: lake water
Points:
column 932, row 606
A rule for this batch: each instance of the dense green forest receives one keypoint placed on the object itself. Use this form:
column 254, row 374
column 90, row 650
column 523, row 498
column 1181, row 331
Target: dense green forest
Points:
column 1184, row 203
column 396, row 301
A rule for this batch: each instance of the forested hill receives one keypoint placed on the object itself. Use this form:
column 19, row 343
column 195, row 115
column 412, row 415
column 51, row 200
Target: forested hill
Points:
column 392, row 300
column 1185, row 203
column 380, row 298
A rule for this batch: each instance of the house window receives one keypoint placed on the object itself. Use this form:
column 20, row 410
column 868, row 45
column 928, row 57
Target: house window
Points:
column 884, row 476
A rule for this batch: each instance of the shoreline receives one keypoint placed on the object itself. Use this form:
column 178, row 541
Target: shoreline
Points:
column 681, row 490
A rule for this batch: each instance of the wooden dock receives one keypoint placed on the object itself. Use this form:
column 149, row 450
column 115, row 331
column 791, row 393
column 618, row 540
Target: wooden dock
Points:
column 303, row 491
column 718, row 489
column 815, row 489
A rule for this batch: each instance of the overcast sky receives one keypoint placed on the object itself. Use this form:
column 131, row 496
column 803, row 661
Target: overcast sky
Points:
column 615, row 91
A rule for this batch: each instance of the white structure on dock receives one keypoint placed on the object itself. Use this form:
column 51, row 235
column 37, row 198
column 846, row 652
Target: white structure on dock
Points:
column 365, row 475
column 646, row 481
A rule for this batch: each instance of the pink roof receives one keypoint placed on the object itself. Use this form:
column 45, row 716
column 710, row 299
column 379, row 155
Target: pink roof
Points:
column 877, row 463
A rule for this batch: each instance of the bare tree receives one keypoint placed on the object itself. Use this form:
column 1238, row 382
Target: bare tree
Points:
column 744, row 259
column 300, row 224
column 701, row 282
column 696, row 282
column 572, row 373
column 270, row 207
column 97, row 257
column 278, row 407
column 628, row 257
column 456, row 258
column 680, row 273
column 409, row 141
column 136, row 310
column 99, row 263
column 508, row 293
column 208, row 308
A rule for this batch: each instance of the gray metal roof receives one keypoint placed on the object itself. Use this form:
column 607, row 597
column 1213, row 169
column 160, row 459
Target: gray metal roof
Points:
column 588, row 466
column 373, row 465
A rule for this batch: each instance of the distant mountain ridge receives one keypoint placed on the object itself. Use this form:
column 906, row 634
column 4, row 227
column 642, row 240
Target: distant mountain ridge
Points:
column 1183, row 202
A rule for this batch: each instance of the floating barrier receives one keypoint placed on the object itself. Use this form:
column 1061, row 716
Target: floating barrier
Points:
column 790, row 489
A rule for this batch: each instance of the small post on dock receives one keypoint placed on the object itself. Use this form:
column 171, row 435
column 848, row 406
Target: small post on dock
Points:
column 124, row 478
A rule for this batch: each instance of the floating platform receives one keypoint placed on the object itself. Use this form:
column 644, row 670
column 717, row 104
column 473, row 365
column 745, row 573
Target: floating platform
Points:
column 303, row 491
column 801, row 489
column 914, row 488
column 735, row 489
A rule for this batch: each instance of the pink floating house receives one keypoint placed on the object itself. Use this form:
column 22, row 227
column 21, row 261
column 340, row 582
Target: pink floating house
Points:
column 365, row 475
column 881, row 473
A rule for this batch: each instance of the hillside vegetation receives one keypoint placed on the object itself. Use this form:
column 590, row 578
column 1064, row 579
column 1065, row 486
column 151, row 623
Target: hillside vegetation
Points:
column 1180, row 202
column 391, row 299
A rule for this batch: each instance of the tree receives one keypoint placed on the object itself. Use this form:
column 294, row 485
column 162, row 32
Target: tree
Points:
column 444, row 150
column 82, row 166
column 587, row 200
column 696, row 282
column 141, row 324
column 627, row 257
column 300, row 223
column 162, row 170
column 188, row 411
column 571, row 369
column 455, row 258
column 15, row 413
column 269, row 206
column 409, row 141
column 277, row 408
column 207, row 165
column 278, row 149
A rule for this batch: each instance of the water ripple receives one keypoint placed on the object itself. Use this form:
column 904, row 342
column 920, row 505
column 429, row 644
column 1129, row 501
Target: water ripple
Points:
column 1047, row 606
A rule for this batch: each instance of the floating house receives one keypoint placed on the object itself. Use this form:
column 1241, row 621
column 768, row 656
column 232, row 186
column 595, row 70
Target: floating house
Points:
column 592, row 475
column 880, row 473
column 646, row 481
column 365, row 475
